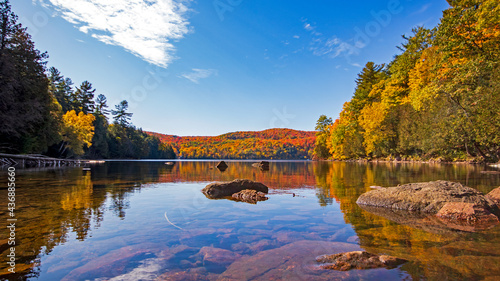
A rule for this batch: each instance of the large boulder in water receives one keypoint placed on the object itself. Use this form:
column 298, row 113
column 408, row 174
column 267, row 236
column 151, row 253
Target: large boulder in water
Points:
column 222, row 166
column 224, row 189
column 425, row 197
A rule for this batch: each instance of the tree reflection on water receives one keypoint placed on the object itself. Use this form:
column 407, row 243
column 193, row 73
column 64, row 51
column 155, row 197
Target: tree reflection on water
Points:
column 55, row 206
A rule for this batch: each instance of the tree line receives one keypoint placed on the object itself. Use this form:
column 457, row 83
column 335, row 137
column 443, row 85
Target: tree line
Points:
column 438, row 98
column 267, row 144
column 42, row 112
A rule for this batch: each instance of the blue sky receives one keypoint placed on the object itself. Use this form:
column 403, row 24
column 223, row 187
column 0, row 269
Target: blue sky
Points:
column 216, row 66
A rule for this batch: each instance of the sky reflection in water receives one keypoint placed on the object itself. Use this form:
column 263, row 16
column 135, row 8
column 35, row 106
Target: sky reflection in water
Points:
column 110, row 223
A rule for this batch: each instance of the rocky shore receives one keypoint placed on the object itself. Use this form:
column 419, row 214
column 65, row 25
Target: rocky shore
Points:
column 457, row 206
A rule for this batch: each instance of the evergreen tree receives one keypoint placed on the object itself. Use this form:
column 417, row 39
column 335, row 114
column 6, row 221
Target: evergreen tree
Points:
column 61, row 88
column 26, row 107
column 100, row 147
column 101, row 106
column 120, row 115
column 84, row 98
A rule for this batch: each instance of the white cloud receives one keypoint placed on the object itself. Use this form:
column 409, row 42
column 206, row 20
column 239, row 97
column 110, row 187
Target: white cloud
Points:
column 144, row 28
column 296, row 36
column 197, row 74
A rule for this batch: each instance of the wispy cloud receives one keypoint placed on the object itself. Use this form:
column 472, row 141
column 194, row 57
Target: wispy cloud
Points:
column 147, row 29
column 422, row 10
column 311, row 28
column 197, row 74
column 333, row 46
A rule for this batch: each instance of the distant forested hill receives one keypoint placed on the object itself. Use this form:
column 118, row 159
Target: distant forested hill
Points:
column 268, row 144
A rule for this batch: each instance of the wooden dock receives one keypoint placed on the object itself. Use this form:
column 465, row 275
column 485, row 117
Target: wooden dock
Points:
column 31, row 161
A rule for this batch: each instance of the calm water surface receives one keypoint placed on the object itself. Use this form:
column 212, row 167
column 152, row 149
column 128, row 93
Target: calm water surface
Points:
column 149, row 221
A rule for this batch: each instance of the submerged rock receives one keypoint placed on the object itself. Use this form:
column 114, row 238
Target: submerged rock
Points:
column 427, row 222
column 217, row 256
column 113, row 263
column 224, row 189
column 358, row 260
column 189, row 275
column 294, row 261
column 426, row 197
column 250, row 196
column 467, row 213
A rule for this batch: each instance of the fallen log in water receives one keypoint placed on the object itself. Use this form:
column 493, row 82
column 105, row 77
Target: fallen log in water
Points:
column 30, row 161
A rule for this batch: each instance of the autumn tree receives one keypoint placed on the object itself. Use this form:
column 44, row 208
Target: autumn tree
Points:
column 438, row 98
column 77, row 131
column 321, row 150
column 468, row 38
column 346, row 137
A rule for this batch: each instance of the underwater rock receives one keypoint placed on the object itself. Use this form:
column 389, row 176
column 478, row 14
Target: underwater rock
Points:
column 426, row 197
column 217, row 256
column 358, row 260
column 295, row 261
column 467, row 213
column 426, row 222
column 223, row 189
column 113, row 263
column 249, row 196
column 186, row 276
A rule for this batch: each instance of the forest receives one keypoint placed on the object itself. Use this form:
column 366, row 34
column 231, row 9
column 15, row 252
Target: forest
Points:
column 439, row 98
column 42, row 112
column 267, row 144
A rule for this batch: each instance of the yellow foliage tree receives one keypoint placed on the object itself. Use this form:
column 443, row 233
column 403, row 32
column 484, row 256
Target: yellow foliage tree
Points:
column 372, row 120
column 77, row 130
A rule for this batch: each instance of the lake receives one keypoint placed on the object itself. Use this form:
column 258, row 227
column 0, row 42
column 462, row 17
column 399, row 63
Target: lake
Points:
column 144, row 220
